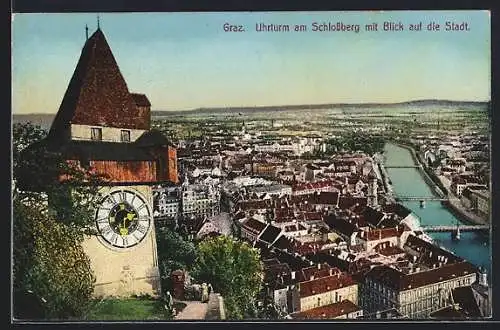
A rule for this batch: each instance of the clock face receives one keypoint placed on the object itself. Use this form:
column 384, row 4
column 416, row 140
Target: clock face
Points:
column 123, row 219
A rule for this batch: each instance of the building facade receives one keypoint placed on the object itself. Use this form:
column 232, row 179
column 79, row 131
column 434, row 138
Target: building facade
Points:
column 102, row 127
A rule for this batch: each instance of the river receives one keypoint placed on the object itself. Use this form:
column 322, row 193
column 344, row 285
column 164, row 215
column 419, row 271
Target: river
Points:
column 474, row 247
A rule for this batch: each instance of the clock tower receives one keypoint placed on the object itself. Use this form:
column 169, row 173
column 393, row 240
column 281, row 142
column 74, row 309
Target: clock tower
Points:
column 102, row 126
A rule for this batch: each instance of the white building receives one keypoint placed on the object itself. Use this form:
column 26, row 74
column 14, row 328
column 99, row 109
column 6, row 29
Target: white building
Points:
column 200, row 200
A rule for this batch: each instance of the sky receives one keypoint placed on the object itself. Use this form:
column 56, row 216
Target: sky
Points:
column 186, row 60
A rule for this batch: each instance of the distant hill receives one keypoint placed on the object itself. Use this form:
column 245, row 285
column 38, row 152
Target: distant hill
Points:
column 45, row 119
column 445, row 103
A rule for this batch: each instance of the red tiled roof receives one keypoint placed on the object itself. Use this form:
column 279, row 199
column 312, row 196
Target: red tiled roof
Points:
column 376, row 234
column 401, row 281
column 284, row 214
column 97, row 93
column 253, row 225
column 323, row 271
column 325, row 284
column 311, row 216
column 328, row 312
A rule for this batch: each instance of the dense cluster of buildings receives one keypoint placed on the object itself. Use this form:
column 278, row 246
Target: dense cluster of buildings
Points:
column 462, row 162
column 332, row 245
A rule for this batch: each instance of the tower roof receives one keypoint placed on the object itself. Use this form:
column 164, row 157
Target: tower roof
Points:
column 97, row 93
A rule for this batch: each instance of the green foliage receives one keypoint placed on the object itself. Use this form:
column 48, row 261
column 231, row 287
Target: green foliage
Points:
column 356, row 141
column 128, row 309
column 50, row 262
column 37, row 168
column 52, row 277
column 234, row 269
column 269, row 311
column 173, row 253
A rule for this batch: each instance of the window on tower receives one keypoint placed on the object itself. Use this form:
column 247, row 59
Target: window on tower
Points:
column 125, row 136
column 96, row 134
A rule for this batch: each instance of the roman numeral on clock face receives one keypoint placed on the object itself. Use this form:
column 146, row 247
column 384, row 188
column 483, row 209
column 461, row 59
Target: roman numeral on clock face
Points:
column 123, row 218
column 102, row 220
column 115, row 238
column 122, row 196
column 112, row 199
column 143, row 218
column 106, row 230
column 141, row 228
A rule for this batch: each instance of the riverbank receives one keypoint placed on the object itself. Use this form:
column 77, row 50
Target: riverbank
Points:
column 389, row 193
column 454, row 204
column 422, row 169
column 456, row 207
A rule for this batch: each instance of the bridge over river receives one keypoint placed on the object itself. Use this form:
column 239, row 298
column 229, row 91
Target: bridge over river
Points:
column 402, row 166
column 424, row 198
column 451, row 228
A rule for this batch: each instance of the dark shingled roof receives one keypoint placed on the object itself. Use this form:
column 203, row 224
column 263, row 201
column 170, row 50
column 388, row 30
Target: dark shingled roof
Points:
column 152, row 138
column 388, row 223
column 330, row 259
column 464, row 297
column 282, row 243
column 346, row 202
column 295, row 262
column 97, row 93
column 340, row 225
column 140, row 100
column 270, row 234
column 372, row 216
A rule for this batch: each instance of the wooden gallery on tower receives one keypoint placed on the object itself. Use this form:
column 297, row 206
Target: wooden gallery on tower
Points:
column 102, row 126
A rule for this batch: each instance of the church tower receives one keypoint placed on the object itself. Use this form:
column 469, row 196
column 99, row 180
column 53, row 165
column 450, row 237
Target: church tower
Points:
column 102, row 126
column 372, row 190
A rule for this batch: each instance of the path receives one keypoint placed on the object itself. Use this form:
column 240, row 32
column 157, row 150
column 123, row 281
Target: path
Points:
column 195, row 310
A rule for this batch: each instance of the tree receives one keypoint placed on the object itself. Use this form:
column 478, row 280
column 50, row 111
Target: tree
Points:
column 52, row 277
column 357, row 141
column 234, row 269
column 49, row 262
column 173, row 253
